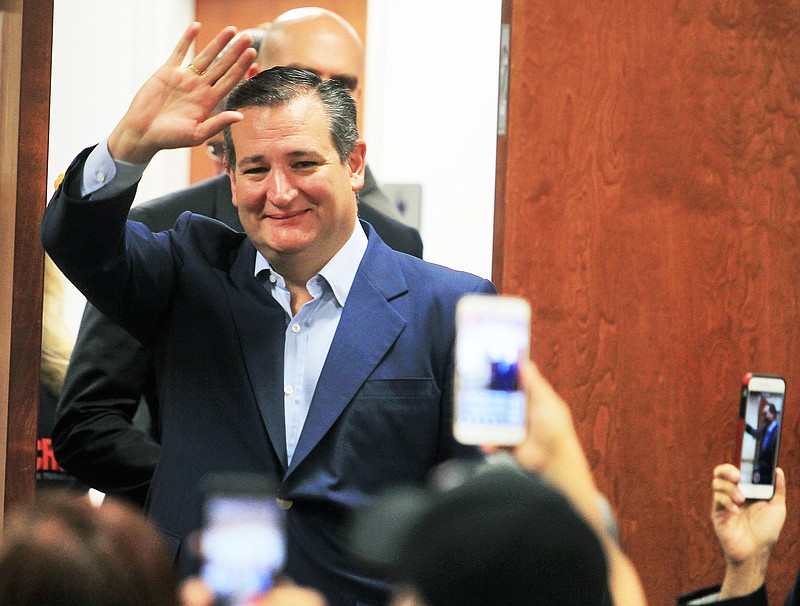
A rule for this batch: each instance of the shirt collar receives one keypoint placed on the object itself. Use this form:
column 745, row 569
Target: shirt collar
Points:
column 340, row 271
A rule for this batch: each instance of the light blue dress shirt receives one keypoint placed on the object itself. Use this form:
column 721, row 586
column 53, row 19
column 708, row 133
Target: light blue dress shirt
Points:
column 309, row 334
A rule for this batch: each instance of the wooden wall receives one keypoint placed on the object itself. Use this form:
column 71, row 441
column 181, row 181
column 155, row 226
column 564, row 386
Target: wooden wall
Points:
column 216, row 14
column 25, row 45
column 650, row 190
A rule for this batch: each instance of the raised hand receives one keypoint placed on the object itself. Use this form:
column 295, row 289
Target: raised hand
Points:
column 746, row 530
column 175, row 106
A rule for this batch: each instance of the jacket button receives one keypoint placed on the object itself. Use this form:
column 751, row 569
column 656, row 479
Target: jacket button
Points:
column 284, row 504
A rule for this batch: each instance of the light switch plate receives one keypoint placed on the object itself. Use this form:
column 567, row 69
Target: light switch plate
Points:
column 407, row 199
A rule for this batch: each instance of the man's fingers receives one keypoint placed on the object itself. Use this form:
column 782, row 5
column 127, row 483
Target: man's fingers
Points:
column 723, row 501
column 728, row 472
column 216, row 123
column 230, row 55
column 780, row 485
column 180, row 50
column 236, row 73
column 206, row 57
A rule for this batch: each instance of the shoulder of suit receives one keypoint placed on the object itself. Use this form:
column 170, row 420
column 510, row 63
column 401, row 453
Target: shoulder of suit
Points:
column 208, row 238
column 161, row 213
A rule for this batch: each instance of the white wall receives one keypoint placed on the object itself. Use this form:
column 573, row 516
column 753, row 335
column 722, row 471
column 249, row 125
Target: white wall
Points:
column 430, row 117
column 422, row 124
column 120, row 43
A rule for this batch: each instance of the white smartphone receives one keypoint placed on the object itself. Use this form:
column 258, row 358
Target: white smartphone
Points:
column 758, row 437
column 492, row 339
column 242, row 541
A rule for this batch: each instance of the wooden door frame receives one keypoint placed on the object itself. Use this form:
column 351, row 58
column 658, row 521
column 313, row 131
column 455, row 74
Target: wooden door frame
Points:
column 26, row 33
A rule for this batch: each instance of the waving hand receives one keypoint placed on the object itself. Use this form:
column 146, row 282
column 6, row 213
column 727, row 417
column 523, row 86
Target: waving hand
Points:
column 175, row 106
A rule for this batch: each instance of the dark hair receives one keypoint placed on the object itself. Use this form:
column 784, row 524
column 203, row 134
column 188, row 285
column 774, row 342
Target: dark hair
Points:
column 64, row 551
column 501, row 536
column 278, row 86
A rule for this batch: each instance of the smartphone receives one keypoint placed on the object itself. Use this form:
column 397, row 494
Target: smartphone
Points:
column 758, row 437
column 492, row 339
column 242, row 542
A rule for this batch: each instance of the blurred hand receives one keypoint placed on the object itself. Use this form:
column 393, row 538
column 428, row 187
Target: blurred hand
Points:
column 194, row 592
column 549, row 422
column 553, row 450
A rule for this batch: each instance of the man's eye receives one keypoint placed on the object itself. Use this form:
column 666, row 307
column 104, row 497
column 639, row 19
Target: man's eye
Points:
column 254, row 170
column 305, row 164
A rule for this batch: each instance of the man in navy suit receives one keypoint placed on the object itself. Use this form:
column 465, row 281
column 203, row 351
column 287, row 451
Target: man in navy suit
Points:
column 767, row 435
column 106, row 431
column 307, row 350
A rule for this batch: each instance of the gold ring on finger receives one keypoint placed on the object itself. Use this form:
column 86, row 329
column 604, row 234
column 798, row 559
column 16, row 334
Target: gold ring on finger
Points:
column 193, row 68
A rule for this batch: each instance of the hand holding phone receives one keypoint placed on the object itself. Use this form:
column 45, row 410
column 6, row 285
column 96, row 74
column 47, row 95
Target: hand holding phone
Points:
column 492, row 338
column 760, row 420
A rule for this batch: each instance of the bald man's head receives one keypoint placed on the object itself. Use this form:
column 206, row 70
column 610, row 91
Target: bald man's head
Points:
column 315, row 39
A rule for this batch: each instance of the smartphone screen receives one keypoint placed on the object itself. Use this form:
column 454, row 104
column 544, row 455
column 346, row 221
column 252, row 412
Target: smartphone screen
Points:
column 761, row 416
column 492, row 339
column 242, row 542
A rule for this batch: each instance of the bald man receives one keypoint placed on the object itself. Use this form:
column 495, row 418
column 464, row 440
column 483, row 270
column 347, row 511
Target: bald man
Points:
column 110, row 378
column 321, row 41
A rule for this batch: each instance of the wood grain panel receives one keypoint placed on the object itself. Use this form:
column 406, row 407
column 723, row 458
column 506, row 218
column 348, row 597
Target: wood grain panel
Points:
column 216, row 14
column 651, row 212
column 27, row 36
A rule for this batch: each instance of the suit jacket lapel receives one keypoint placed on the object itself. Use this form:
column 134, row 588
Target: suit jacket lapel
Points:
column 261, row 325
column 368, row 328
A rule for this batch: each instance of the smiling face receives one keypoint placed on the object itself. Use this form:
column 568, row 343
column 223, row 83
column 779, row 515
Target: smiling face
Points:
column 296, row 198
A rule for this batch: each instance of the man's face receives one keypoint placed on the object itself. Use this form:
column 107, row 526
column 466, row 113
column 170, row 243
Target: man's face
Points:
column 327, row 51
column 766, row 415
column 296, row 199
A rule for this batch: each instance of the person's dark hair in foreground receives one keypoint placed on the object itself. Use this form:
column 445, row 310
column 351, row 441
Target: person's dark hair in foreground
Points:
column 501, row 537
column 63, row 551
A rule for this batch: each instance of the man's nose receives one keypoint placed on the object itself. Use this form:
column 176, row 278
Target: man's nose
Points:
column 280, row 189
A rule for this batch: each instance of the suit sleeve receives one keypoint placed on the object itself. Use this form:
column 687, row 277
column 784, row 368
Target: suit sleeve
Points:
column 95, row 437
column 120, row 266
column 127, row 272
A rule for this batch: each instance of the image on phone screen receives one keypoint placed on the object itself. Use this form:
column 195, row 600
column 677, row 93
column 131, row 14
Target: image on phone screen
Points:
column 243, row 545
column 490, row 345
column 763, row 416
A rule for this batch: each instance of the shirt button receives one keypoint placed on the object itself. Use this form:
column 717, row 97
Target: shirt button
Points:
column 272, row 279
column 284, row 503
column 288, row 389
column 295, row 328
column 100, row 176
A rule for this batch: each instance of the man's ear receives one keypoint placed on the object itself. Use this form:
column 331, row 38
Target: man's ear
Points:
column 232, row 176
column 252, row 71
column 357, row 163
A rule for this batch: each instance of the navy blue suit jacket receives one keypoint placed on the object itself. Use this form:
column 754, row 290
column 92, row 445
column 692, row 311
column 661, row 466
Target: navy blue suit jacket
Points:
column 381, row 412
column 105, row 431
